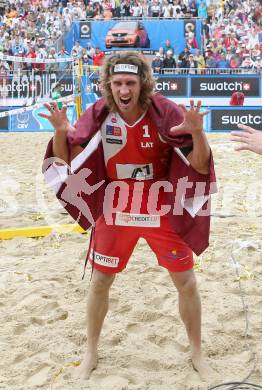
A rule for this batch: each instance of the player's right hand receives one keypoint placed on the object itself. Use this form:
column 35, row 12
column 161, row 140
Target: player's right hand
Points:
column 58, row 118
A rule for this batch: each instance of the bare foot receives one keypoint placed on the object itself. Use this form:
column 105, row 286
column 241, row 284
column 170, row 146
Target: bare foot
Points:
column 88, row 364
column 200, row 364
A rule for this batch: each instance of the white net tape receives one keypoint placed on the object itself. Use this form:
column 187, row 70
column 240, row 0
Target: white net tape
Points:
column 65, row 99
column 5, row 57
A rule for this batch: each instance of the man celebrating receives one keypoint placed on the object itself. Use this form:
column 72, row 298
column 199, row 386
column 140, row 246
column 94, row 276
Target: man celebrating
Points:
column 140, row 147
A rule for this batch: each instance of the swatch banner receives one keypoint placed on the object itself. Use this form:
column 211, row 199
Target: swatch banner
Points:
column 33, row 88
column 197, row 87
column 222, row 86
column 172, row 86
column 29, row 86
column 226, row 119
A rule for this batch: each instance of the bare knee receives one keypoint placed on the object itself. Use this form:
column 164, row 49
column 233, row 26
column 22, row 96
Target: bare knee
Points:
column 185, row 283
column 189, row 287
column 101, row 282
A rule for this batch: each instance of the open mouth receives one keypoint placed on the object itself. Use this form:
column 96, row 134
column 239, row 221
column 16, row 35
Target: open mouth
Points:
column 125, row 101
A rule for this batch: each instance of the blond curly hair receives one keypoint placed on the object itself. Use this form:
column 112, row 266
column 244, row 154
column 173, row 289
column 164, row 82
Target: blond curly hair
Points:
column 145, row 73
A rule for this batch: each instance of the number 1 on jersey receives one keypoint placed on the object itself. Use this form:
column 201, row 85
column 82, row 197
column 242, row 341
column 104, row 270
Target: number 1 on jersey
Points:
column 146, row 132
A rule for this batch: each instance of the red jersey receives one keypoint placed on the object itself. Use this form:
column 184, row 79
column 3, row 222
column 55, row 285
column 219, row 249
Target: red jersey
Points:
column 32, row 55
column 98, row 58
column 134, row 152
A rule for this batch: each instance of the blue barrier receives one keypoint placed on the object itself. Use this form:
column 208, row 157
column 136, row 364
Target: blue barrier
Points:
column 219, row 119
column 30, row 121
column 224, row 119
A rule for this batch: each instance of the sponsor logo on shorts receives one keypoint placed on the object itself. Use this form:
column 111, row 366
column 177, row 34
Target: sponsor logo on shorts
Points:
column 145, row 220
column 173, row 255
column 106, row 261
column 114, row 141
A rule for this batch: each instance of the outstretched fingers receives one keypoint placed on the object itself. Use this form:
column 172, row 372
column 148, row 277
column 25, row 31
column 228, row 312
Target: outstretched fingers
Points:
column 64, row 107
column 192, row 104
column 52, row 108
column 49, row 108
column 242, row 147
column 239, row 135
column 43, row 115
column 205, row 112
column 248, row 129
column 183, row 107
column 198, row 105
column 242, row 139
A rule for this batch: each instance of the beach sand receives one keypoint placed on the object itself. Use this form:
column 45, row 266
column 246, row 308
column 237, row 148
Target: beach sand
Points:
column 143, row 343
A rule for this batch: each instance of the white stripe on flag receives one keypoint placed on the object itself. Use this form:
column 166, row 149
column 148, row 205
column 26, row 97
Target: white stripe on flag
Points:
column 89, row 149
column 56, row 175
column 193, row 205
column 178, row 151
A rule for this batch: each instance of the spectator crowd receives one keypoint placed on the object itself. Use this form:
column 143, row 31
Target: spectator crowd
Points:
column 231, row 41
column 231, row 32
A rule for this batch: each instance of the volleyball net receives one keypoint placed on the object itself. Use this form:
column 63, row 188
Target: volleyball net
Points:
column 32, row 82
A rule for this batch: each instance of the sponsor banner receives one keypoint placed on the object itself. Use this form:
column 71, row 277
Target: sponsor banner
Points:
column 171, row 86
column 32, row 122
column 146, row 52
column 85, row 30
column 146, row 35
column 227, row 119
column 94, row 86
column 29, row 86
column 89, row 91
column 144, row 220
column 217, row 86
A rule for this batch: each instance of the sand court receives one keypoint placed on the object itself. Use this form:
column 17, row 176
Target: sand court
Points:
column 143, row 343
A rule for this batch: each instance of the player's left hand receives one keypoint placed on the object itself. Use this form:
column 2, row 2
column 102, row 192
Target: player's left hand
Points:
column 193, row 119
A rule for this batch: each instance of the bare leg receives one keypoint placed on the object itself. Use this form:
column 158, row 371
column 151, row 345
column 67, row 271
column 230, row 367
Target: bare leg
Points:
column 97, row 307
column 190, row 312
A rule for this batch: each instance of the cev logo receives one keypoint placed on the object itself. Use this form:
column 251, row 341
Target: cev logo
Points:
column 23, row 120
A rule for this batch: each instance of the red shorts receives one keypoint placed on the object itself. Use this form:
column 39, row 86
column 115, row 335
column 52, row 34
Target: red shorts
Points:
column 112, row 245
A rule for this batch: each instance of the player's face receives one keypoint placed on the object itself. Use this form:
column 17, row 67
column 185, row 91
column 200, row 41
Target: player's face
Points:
column 126, row 91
